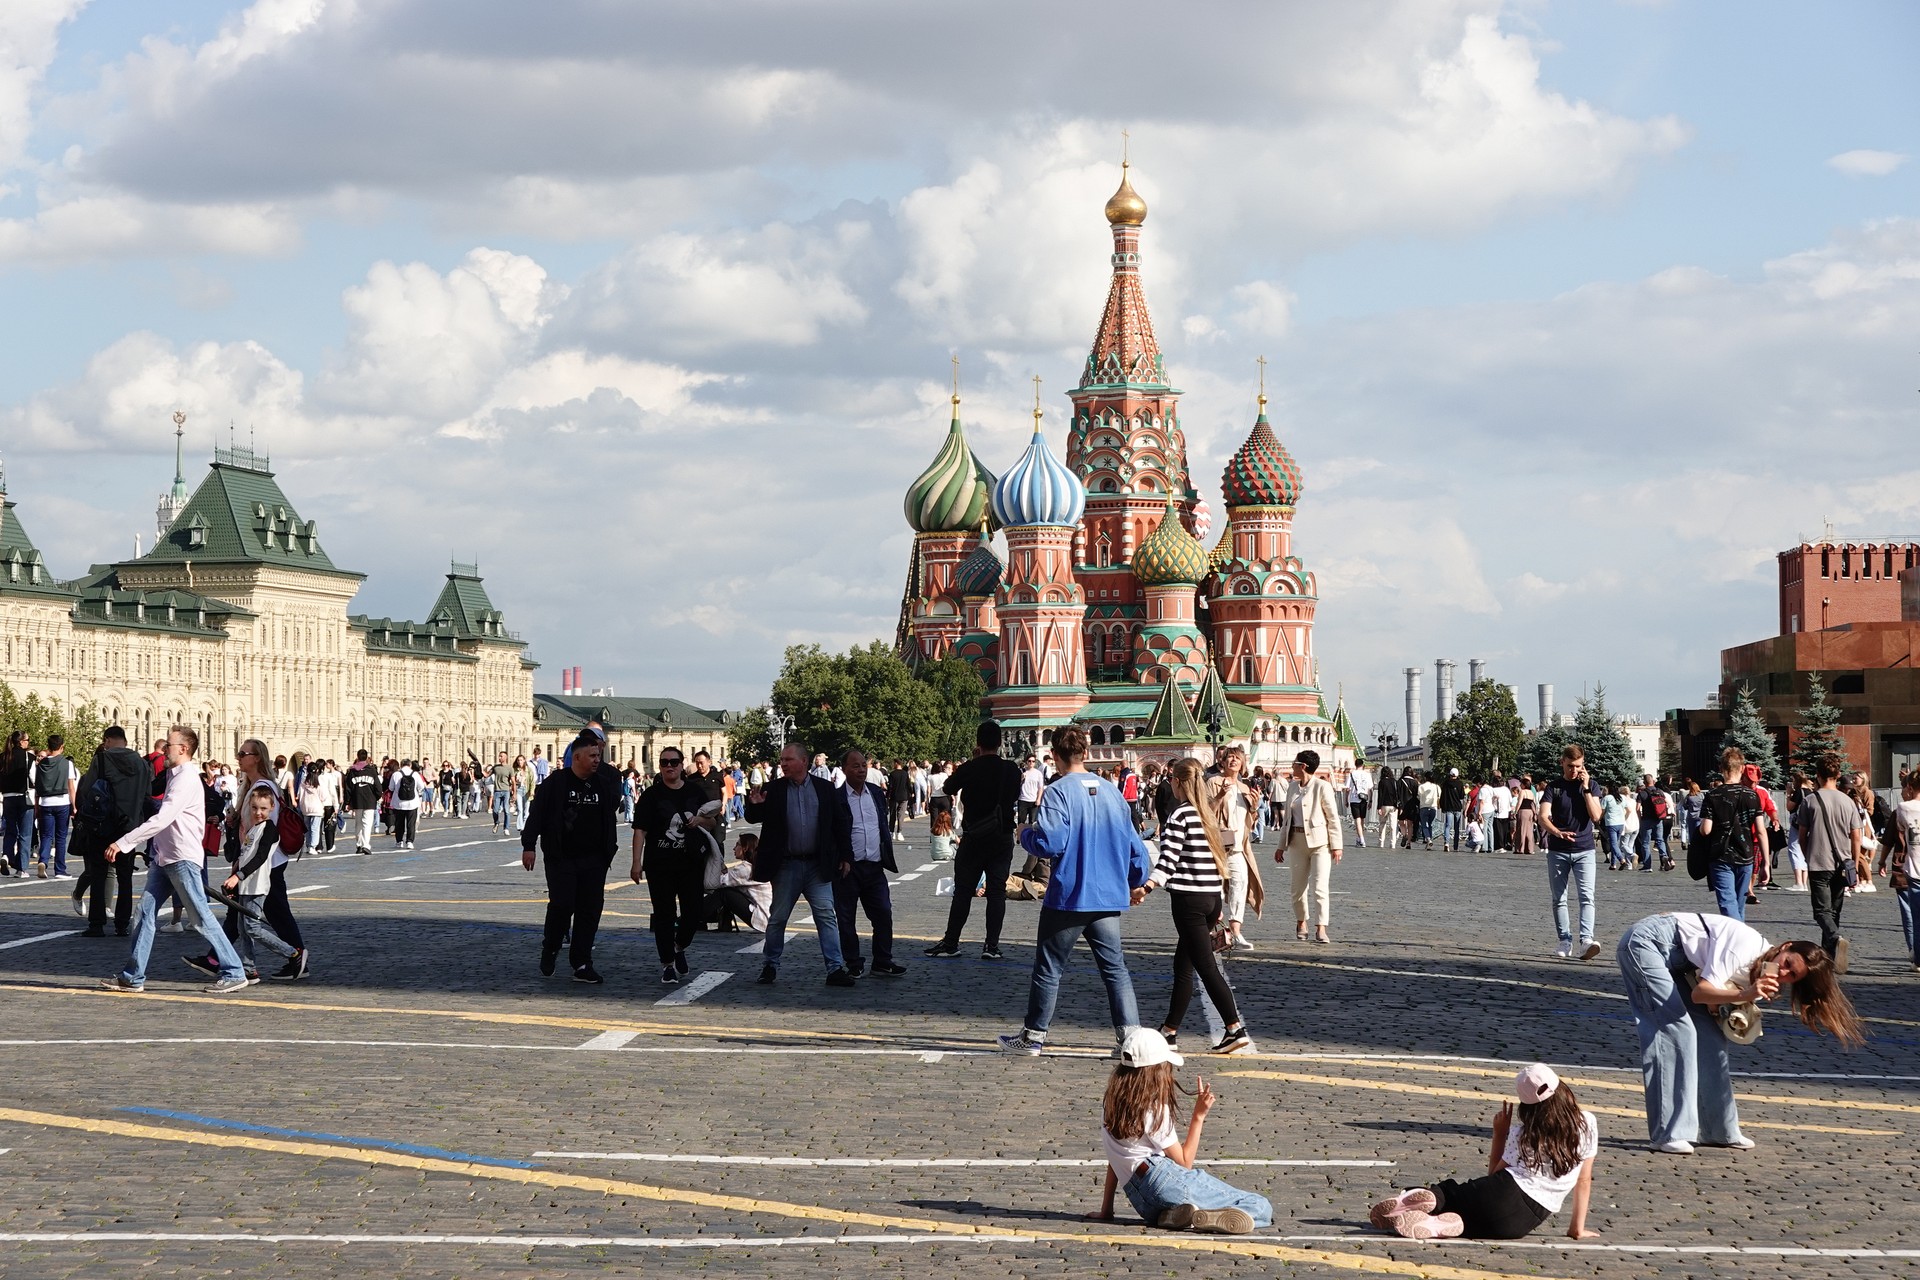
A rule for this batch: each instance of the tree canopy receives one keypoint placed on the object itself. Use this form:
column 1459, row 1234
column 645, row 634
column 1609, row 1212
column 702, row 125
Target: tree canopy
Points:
column 1747, row 731
column 81, row 726
column 868, row 698
column 1818, row 741
column 1482, row 739
column 1610, row 759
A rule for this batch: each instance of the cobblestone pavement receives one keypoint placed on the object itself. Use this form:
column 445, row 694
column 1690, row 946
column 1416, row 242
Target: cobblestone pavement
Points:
column 428, row 1105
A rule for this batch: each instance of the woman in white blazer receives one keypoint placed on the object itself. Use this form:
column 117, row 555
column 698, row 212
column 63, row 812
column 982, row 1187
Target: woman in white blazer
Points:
column 1310, row 831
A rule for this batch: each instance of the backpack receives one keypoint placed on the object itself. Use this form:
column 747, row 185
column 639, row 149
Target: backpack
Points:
column 406, row 789
column 1659, row 804
column 57, row 786
column 292, row 827
column 98, row 807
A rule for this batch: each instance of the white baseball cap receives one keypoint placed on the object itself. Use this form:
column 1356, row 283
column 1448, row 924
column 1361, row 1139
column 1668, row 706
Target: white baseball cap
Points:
column 1145, row 1047
column 1536, row 1083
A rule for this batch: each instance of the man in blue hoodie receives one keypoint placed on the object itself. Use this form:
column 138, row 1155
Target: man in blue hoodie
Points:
column 1085, row 829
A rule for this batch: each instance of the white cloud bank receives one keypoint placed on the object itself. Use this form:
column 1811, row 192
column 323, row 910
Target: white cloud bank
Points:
column 1866, row 164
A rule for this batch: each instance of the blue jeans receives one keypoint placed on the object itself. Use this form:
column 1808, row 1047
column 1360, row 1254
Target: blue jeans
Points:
column 798, row 877
column 1617, row 854
column 1652, row 835
column 313, row 830
column 1058, row 930
column 1455, row 828
column 1425, row 831
column 500, row 811
column 1578, row 864
column 1683, row 1056
column 55, row 821
column 15, row 842
column 184, row 883
column 1164, row 1184
column 1730, row 887
column 1909, row 900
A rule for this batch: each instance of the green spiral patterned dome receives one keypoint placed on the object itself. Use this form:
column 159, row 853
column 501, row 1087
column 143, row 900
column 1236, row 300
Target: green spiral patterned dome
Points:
column 951, row 495
column 1170, row 554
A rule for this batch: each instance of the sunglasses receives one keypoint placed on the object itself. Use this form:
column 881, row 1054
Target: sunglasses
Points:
column 671, row 764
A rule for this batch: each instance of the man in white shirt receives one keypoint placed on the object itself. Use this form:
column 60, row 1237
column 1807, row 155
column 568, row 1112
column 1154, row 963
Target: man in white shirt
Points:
column 865, row 880
column 1032, row 784
column 176, row 862
column 1359, row 793
column 1502, row 835
column 403, row 798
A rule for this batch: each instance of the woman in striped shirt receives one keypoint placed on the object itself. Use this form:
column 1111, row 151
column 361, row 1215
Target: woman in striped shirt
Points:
column 1192, row 868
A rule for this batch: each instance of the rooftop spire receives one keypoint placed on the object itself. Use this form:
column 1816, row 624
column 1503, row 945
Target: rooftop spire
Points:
column 1262, row 362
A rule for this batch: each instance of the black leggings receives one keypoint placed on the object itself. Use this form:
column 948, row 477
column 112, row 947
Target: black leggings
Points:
column 977, row 858
column 1492, row 1208
column 678, row 890
column 1193, row 917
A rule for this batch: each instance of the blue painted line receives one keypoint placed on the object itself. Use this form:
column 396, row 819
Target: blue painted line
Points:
column 213, row 1122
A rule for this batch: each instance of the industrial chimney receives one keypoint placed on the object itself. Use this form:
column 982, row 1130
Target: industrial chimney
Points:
column 1476, row 671
column 1546, row 706
column 1413, row 706
column 1443, row 688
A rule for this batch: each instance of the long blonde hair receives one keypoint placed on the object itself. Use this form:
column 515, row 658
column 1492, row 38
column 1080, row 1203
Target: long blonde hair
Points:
column 1190, row 788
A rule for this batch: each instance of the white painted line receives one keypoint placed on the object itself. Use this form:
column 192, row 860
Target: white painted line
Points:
column 38, row 937
column 911, row 875
column 512, row 1242
column 391, row 879
column 928, row 867
column 693, row 990
column 919, row 1162
column 753, row 949
column 611, row 1040
column 515, row 863
column 458, row 871
column 307, row 888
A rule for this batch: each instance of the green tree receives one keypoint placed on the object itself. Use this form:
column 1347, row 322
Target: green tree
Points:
column 1610, row 759
column 866, row 698
column 750, row 737
column 81, row 727
column 1747, row 731
column 1818, row 740
column 961, row 691
column 1540, row 753
column 1482, row 739
column 1670, row 765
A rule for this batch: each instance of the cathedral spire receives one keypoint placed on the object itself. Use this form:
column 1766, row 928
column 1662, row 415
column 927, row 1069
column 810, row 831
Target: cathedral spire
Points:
column 1124, row 349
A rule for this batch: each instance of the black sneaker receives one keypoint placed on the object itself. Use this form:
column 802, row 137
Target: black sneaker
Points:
column 680, row 963
column 991, row 953
column 856, row 967
column 669, row 976
column 839, row 978
column 766, row 977
column 201, row 963
column 586, row 973
column 295, row 969
column 547, row 959
column 888, row 970
column 1235, row 1041
column 943, row 949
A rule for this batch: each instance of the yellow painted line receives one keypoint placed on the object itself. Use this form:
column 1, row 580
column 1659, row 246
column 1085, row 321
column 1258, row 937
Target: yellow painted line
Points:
column 477, row 1015
column 1588, row 1083
column 1434, row 1091
column 747, row 1204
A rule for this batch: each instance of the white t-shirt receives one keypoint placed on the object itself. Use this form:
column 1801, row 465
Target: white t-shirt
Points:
column 1908, row 812
column 393, row 790
column 1722, row 948
column 1502, row 803
column 1540, row 1186
column 1032, row 783
column 1126, row 1156
column 1359, row 786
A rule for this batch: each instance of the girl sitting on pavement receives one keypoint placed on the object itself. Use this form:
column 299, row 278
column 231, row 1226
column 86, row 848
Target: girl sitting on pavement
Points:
column 1147, row 1160
column 1531, row 1167
column 940, row 833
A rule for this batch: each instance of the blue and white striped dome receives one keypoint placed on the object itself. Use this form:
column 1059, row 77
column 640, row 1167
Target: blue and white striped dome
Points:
column 1038, row 489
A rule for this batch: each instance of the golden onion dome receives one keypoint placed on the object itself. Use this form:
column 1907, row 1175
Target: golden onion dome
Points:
column 1223, row 549
column 1125, row 208
column 1170, row 554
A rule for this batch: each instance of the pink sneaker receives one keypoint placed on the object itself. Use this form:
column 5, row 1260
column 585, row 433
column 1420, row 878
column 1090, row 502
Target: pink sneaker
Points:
column 1419, row 1198
column 1414, row 1224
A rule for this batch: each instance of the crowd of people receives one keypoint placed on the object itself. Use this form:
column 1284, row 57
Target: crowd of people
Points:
column 1097, row 845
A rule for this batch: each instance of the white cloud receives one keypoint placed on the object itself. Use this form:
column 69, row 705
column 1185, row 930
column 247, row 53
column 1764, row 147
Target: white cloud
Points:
column 79, row 227
column 1866, row 164
column 29, row 35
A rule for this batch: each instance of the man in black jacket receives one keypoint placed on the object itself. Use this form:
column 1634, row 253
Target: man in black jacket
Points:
column 112, row 800
column 870, row 837
column 363, row 792
column 989, row 790
column 804, row 848
column 575, row 819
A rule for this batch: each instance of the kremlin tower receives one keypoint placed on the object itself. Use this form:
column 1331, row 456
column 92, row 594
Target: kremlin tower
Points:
column 1094, row 616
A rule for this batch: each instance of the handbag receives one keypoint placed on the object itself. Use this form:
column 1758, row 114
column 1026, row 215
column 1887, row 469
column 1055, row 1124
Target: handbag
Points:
column 1222, row 938
column 1739, row 1023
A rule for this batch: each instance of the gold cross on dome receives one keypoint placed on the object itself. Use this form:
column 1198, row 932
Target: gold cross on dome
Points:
column 956, row 378
column 1262, row 362
column 1036, row 402
column 1125, row 138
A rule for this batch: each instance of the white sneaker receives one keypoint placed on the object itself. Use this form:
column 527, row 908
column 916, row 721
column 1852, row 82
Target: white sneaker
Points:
column 1564, row 951
column 1242, row 941
column 1675, row 1148
column 1019, row 1044
column 1741, row 1143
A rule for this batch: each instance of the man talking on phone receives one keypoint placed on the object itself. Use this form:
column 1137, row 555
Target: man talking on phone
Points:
column 1569, row 806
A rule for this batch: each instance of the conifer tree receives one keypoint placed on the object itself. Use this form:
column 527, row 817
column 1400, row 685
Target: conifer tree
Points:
column 1819, row 738
column 1610, row 759
column 1747, row 731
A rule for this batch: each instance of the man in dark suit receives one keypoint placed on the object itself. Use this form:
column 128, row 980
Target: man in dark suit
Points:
column 870, row 839
column 803, row 850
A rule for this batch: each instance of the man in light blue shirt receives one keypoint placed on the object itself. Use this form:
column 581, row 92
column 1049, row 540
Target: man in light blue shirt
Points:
column 865, row 879
column 1083, row 826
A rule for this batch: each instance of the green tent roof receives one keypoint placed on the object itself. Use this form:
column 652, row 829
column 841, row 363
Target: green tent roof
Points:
column 464, row 607
column 240, row 515
column 22, row 569
column 1171, row 721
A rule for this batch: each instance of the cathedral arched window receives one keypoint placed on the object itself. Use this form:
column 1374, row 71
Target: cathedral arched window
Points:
column 1097, row 736
column 1117, row 736
column 1103, row 549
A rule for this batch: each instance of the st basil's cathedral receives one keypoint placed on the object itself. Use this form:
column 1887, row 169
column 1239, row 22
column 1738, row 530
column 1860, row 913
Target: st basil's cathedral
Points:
column 1108, row 609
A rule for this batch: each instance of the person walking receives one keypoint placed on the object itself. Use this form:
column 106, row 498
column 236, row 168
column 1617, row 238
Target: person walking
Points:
column 1359, row 795
column 1569, row 807
column 175, row 868
column 362, row 788
column 403, row 799
column 257, row 770
column 1236, row 808
column 804, row 847
column 1386, row 802
column 574, row 820
column 113, row 797
column 1083, row 828
column 1453, row 804
column 16, row 826
column 899, row 794
column 1310, row 830
column 669, row 849
column 1192, row 867
column 55, row 783
column 1900, row 859
column 864, row 884
column 1652, row 802
column 500, row 815
column 1429, row 793
column 988, row 787
column 1830, row 837
column 1680, row 967
column 1525, row 813
column 1614, row 807
column 1721, row 850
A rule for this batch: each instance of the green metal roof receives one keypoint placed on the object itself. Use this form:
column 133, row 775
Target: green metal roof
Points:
column 240, row 515
column 463, row 607
column 23, row 571
column 625, row 713
column 1171, row 720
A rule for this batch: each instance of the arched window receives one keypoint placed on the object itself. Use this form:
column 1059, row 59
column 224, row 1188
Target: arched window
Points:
column 1097, row 736
column 1117, row 736
column 1103, row 550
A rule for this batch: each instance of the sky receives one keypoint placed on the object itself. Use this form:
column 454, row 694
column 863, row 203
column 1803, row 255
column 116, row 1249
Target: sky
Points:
column 1575, row 314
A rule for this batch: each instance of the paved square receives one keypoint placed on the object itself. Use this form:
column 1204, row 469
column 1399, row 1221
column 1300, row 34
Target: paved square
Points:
column 428, row 1105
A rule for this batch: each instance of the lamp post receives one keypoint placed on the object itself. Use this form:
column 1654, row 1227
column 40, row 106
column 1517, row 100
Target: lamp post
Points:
column 1216, row 730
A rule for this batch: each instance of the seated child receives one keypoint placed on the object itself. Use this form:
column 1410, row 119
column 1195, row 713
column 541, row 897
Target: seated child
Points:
column 940, row 823
column 1147, row 1160
column 1476, row 836
column 739, row 897
column 1530, row 1169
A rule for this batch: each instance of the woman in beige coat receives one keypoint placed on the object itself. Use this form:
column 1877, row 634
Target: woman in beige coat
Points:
column 1235, row 805
column 1310, row 831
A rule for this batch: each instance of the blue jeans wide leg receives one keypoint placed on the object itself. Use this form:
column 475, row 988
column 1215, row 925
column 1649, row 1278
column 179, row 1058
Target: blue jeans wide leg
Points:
column 1577, row 865
column 797, row 879
column 1057, row 932
column 1451, row 833
column 184, row 883
column 1164, row 1184
column 1683, row 1056
column 1730, row 887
